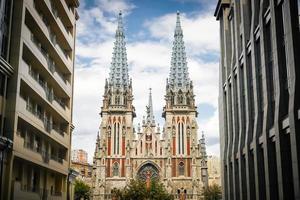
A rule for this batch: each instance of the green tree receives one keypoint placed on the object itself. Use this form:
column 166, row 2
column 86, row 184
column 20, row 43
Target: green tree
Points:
column 137, row 190
column 82, row 190
column 212, row 192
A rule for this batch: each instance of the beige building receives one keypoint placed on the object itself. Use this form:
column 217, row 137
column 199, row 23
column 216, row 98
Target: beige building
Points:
column 213, row 169
column 79, row 156
column 84, row 171
column 173, row 155
column 39, row 98
column 79, row 162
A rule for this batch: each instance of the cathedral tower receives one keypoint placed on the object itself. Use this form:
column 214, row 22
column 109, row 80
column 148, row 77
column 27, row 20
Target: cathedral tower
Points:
column 181, row 127
column 111, row 161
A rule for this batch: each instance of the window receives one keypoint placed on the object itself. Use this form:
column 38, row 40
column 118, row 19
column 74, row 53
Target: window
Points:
column 180, row 138
column 116, row 138
column 116, row 169
column 181, row 169
column 2, row 84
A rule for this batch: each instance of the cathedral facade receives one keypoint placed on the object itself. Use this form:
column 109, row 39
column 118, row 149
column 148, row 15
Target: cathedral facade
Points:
column 173, row 155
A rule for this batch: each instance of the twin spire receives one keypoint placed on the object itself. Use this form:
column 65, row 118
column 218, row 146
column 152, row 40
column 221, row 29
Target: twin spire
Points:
column 178, row 77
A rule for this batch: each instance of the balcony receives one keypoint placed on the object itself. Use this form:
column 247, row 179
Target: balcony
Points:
column 24, row 192
column 45, row 42
column 34, row 50
column 41, row 87
column 28, row 151
column 52, row 14
column 67, row 10
column 43, row 124
column 45, row 25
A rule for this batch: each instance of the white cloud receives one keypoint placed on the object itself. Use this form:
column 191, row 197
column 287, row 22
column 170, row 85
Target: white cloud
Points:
column 149, row 62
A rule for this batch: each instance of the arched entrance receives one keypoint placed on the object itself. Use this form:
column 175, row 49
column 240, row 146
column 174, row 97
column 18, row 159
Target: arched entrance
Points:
column 148, row 169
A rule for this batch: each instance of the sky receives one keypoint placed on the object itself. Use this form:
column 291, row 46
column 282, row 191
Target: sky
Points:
column 149, row 29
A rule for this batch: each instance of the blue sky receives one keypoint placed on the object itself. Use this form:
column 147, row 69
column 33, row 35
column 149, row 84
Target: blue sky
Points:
column 149, row 27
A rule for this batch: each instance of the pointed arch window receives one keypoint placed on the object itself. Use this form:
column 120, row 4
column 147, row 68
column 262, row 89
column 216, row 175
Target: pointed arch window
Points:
column 181, row 133
column 181, row 169
column 116, row 169
column 116, row 132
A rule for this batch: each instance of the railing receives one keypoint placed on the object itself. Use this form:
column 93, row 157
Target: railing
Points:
column 43, row 153
column 56, row 16
column 40, row 115
column 51, row 65
column 49, row 92
column 58, row 129
column 50, row 62
column 60, row 102
column 34, row 189
column 45, row 156
column 57, row 158
column 31, row 146
column 186, row 196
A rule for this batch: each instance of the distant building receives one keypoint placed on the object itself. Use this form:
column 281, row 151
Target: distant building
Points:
column 80, row 163
column 79, row 156
column 214, row 170
column 259, row 99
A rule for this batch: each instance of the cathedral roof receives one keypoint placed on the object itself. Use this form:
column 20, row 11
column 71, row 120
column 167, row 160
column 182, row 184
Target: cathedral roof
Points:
column 179, row 75
column 118, row 75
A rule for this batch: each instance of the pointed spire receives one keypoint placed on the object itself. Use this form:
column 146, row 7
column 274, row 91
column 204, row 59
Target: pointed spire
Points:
column 179, row 76
column 118, row 75
column 203, row 145
column 178, row 29
column 149, row 110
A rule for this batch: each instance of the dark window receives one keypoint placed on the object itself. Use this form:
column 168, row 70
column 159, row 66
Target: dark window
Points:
column 116, row 169
column 4, row 19
column 181, row 169
column 270, row 75
column 260, row 98
column 2, row 84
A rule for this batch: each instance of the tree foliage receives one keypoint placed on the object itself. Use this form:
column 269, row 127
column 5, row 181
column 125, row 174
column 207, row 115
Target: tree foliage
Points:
column 212, row 192
column 82, row 190
column 137, row 190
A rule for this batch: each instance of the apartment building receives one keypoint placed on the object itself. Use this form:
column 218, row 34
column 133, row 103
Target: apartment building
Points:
column 39, row 98
column 79, row 156
column 259, row 99
column 6, row 72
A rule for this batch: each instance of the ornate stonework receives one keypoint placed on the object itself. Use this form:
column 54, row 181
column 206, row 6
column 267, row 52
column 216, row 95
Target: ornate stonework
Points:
column 174, row 155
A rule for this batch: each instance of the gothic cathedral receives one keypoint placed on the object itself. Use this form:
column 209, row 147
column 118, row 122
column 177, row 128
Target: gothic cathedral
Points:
column 174, row 155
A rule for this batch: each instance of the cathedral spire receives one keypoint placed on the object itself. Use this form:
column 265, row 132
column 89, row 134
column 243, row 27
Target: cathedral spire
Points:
column 179, row 76
column 202, row 145
column 149, row 110
column 118, row 75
